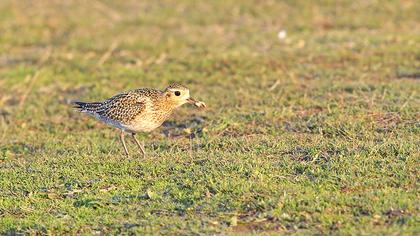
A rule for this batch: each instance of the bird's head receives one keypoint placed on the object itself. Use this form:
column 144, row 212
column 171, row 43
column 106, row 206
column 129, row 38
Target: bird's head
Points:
column 178, row 95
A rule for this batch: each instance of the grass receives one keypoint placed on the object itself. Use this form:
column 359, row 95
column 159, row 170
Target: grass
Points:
column 314, row 134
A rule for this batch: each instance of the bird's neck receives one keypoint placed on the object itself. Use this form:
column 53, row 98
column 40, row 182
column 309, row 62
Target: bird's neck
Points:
column 166, row 105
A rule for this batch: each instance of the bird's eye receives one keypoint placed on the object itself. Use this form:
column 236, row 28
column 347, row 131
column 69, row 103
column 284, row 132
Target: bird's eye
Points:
column 177, row 93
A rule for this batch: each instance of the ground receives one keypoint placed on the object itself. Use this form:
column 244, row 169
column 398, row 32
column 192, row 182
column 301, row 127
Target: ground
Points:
column 315, row 131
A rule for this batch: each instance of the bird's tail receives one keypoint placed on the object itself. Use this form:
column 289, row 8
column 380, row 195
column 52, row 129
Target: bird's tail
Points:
column 86, row 106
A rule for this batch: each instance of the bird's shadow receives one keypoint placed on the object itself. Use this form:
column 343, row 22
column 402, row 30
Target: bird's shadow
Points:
column 190, row 128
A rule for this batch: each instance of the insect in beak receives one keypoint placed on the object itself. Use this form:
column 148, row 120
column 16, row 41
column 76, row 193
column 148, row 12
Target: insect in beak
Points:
column 196, row 103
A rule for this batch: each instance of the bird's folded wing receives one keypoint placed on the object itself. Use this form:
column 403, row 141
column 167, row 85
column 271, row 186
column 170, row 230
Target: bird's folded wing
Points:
column 122, row 107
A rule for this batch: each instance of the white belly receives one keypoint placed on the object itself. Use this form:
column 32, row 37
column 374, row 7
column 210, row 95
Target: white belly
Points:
column 143, row 126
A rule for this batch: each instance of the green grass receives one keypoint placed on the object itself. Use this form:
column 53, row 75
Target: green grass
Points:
column 315, row 134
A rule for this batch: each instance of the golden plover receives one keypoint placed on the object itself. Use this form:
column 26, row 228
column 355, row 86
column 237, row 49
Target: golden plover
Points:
column 140, row 110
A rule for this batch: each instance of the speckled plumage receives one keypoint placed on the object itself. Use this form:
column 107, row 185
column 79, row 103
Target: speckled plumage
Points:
column 140, row 110
column 129, row 110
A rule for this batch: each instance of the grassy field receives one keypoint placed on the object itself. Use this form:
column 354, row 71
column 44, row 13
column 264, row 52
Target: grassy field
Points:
column 314, row 133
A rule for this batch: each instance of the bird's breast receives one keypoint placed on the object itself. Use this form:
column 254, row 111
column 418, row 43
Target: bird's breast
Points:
column 149, row 120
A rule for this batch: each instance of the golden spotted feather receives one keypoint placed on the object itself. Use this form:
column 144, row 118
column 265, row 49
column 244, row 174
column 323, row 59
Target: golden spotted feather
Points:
column 122, row 107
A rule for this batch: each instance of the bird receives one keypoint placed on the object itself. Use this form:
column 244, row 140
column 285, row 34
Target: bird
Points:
column 139, row 110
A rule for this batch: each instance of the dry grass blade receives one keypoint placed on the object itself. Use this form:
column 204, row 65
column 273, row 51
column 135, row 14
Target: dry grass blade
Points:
column 4, row 130
column 274, row 86
column 33, row 78
column 107, row 54
column 45, row 56
column 28, row 89
column 106, row 9
column 407, row 101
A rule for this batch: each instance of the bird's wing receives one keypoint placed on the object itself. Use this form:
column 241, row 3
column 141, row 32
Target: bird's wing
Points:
column 123, row 107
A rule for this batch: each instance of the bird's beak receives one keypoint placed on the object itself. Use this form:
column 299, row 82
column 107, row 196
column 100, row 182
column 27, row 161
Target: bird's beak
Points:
column 192, row 100
column 196, row 103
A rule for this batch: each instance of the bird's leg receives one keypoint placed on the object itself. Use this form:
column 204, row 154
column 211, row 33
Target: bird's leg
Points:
column 123, row 142
column 141, row 146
